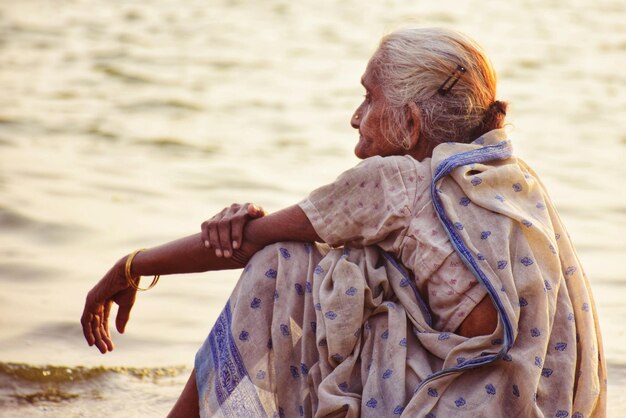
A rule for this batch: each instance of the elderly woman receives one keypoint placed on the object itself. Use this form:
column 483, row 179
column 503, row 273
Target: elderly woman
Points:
column 446, row 283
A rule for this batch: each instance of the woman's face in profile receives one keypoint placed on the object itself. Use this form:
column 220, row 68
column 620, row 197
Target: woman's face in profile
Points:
column 370, row 118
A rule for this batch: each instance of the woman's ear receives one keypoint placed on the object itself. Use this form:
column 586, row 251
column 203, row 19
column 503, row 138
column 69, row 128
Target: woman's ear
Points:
column 414, row 122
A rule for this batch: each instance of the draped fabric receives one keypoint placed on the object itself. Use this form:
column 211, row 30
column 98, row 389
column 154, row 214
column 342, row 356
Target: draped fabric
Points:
column 325, row 332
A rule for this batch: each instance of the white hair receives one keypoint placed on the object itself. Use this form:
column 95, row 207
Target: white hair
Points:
column 412, row 64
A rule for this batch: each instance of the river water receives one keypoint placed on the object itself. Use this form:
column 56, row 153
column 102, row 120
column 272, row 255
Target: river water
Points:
column 124, row 124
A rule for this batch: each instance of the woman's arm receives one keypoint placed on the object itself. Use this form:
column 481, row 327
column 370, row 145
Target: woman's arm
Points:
column 190, row 254
column 185, row 255
column 224, row 233
column 483, row 320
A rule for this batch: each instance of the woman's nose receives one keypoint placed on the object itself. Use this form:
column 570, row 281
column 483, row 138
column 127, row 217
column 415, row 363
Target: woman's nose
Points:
column 355, row 122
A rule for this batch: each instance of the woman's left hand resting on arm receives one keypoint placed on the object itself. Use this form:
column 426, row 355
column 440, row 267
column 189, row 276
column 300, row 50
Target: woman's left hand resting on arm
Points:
column 186, row 255
column 224, row 231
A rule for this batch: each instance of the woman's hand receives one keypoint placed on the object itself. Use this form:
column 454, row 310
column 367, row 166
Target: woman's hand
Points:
column 224, row 231
column 113, row 287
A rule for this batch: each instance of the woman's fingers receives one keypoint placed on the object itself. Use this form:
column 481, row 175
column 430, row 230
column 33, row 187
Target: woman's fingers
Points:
column 224, row 232
column 214, row 238
column 96, row 328
column 90, row 319
column 125, row 301
column 216, row 232
column 123, row 314
column 233, row 223
column 85, row 321
column 240, row 219
column 106, row 334
column 224, row 228
column 105, row 321
column 204, row 234
column 236, row 232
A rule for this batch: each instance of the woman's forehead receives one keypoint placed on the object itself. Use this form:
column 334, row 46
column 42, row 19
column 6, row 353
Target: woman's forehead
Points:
column 368, row 79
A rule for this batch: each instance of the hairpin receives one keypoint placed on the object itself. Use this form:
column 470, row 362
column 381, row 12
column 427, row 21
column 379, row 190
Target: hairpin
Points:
column 452, row 80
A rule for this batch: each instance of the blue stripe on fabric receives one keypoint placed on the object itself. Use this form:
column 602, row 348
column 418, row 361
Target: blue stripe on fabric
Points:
column 227, row 361
column 501, row 151
column 420, row 301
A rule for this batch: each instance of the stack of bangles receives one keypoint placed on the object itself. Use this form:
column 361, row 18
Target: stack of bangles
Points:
column 129, row 277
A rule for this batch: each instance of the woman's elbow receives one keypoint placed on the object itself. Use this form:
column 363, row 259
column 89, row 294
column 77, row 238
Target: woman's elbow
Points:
column 483, row 320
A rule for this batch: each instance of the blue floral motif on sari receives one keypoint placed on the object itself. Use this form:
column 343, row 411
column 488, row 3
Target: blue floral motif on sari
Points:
column 226, row 358
column 231, row 382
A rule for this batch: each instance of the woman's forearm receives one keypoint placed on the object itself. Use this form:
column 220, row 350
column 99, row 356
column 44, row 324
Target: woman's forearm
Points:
column 189, row 254
column 186, row 255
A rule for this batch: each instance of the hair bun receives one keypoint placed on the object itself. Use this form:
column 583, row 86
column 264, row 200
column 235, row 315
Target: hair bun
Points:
column 499, row 107
column 492, row 119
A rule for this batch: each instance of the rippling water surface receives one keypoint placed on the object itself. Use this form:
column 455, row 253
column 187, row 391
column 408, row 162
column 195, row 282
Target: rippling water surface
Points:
column 125, row 124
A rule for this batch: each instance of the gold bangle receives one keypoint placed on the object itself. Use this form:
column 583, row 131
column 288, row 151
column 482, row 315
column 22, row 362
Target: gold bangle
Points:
column 129, row 277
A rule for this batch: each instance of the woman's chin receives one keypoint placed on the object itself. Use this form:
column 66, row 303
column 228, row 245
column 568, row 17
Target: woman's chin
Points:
column 361, row 151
